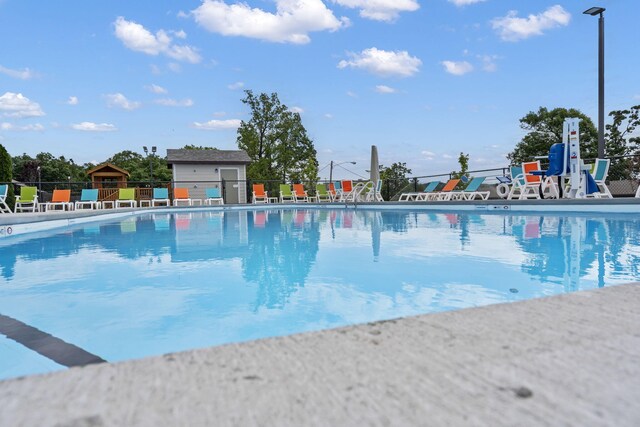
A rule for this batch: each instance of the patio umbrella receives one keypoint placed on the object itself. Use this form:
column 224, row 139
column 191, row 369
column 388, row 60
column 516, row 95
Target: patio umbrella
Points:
column 375, row 168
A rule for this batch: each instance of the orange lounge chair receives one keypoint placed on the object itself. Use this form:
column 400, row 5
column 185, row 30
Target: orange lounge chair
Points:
column 446, row 192
column 60, row 198
column 332, row 192
column 347, row 189
column 259, row 195
column 181, row 195
column 299, row 193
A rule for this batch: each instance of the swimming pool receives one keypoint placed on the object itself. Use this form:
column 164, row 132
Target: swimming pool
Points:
column 164, row 282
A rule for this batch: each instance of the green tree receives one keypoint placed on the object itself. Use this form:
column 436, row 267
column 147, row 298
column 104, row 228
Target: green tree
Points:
column 276, row 141
column 51, row 169
column 544, row 128
column 394, row 178
column 621, row 142
column 463, row 161
column 6, row 174
column 138, row 166
column 197, row 147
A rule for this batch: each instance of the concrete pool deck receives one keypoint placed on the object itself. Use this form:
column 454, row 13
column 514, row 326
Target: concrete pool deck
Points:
column 571, row 359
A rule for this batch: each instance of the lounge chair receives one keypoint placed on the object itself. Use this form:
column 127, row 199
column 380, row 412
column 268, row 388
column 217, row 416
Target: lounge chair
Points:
column 413, row 196
column 429, row 192
column 300, row 193
column 471, row 191
column 27, row 201
column 60, row 198
column 213, row 196
column 4, row 190
column 259, row 195
column 337, row 186
column 600, row 173
column 322, row 195
column 181, row 195
column 374, row 193
column 160, row 197
column 347, row 190
column 446, row 192
column 126, row 198
column 532, row 182
column 517, row 182
column 332, row 192
column 285, row 194
column 88, row 197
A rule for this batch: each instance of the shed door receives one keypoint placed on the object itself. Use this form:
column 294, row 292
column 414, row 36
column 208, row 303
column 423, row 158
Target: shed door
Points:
column 231, row 185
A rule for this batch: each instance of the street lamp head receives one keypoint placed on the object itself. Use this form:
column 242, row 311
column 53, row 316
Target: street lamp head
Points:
column 144, row 147
column 154, row 149
column 593, row 11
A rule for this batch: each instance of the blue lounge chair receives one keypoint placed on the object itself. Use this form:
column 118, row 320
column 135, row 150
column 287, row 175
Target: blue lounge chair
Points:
column 472, row 191
column 160, row 197
column 88, row 198
column 422, row 195
column 213, row 196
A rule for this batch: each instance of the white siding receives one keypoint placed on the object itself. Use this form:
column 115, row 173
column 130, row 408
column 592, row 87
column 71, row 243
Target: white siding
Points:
column 197, row 177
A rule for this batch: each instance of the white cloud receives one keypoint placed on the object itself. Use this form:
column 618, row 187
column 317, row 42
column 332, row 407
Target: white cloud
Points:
column 464, row 2
column 73, row 100
column 36, row 127
column 298, row 110
column 168, row 102
column 512, row 28
column 156, row 89
column 120, row 101
column 488, row 63
column 94, row 127
column 352, row 94
column 17, row 105
column 383, row 63
column 428, row 154
column 457, row 68
column 236, row 85
column 385, row 89
column 137, row 38
column 328, row 116
column 380, row 10
column 218, row 124
column 25, row 74
column 291, row 23
column 175, row 67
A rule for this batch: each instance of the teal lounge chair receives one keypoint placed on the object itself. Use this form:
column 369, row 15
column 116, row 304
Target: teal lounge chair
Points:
column 472, row 191
column 420, row 196
column 160, row 197
column 88, row 198
column 27, row 201
column 4, row 190
column 213, row 196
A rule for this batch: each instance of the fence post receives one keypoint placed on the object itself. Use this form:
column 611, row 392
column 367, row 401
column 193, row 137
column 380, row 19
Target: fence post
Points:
column 415, row 185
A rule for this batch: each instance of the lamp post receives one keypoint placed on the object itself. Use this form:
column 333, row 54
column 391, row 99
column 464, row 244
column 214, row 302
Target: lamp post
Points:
column 153, row 152
column 336, row 164
column 39, row 180
column 593, row 11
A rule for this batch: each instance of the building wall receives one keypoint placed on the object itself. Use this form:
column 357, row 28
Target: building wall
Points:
column 197, row 177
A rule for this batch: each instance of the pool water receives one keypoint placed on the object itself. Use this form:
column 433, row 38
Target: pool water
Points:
column 164, row 282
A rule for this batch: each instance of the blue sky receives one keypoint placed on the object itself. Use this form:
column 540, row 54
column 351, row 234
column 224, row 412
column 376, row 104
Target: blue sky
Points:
column 421, row 79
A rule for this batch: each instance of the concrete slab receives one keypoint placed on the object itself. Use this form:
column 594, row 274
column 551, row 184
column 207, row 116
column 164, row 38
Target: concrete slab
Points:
column 567, row 360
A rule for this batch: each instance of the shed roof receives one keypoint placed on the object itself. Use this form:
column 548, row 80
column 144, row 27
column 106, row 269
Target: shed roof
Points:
column 108, row 167
column 207, row 156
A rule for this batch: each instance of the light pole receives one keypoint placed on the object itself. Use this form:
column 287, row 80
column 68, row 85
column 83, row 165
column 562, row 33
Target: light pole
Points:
column 39, row 180
column 337, row 164
column 153, row 152
column 593, row 11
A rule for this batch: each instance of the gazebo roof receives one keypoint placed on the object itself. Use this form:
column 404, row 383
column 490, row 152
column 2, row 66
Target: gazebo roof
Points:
column 105, row 168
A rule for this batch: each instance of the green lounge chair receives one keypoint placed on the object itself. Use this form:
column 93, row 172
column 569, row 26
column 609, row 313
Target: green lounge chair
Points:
column 285, row 194
column 126, row 197
column 322, row 195
column 27, row 201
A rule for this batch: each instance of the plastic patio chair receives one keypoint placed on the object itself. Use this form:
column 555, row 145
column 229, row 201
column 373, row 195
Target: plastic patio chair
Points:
column 27, row 201
column 285, row 194
column 446, row 192
column 181, row 195
column 322, row 195
column 213, row 196
column 259, row 195
column 60, row 198
column 160, row 197
column 413, row 196
column 126, row 198
column 4, row 190
column 600, row 173
column 471, row 191
column 88, row 197
column 300, row 193
column 532, row 182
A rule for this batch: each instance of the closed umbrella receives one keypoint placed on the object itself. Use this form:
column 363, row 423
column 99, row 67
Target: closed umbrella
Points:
column 375, row 168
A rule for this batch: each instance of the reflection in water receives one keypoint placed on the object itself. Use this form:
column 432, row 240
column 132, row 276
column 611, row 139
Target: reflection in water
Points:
column 166, row 282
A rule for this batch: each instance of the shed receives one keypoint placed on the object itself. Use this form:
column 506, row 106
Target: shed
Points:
column 200, row 169
column 108, row 175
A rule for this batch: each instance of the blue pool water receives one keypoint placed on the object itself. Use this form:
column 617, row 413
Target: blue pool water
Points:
column 159, row 283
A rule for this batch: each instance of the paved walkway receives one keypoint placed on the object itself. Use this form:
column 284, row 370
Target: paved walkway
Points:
column 566, row 360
